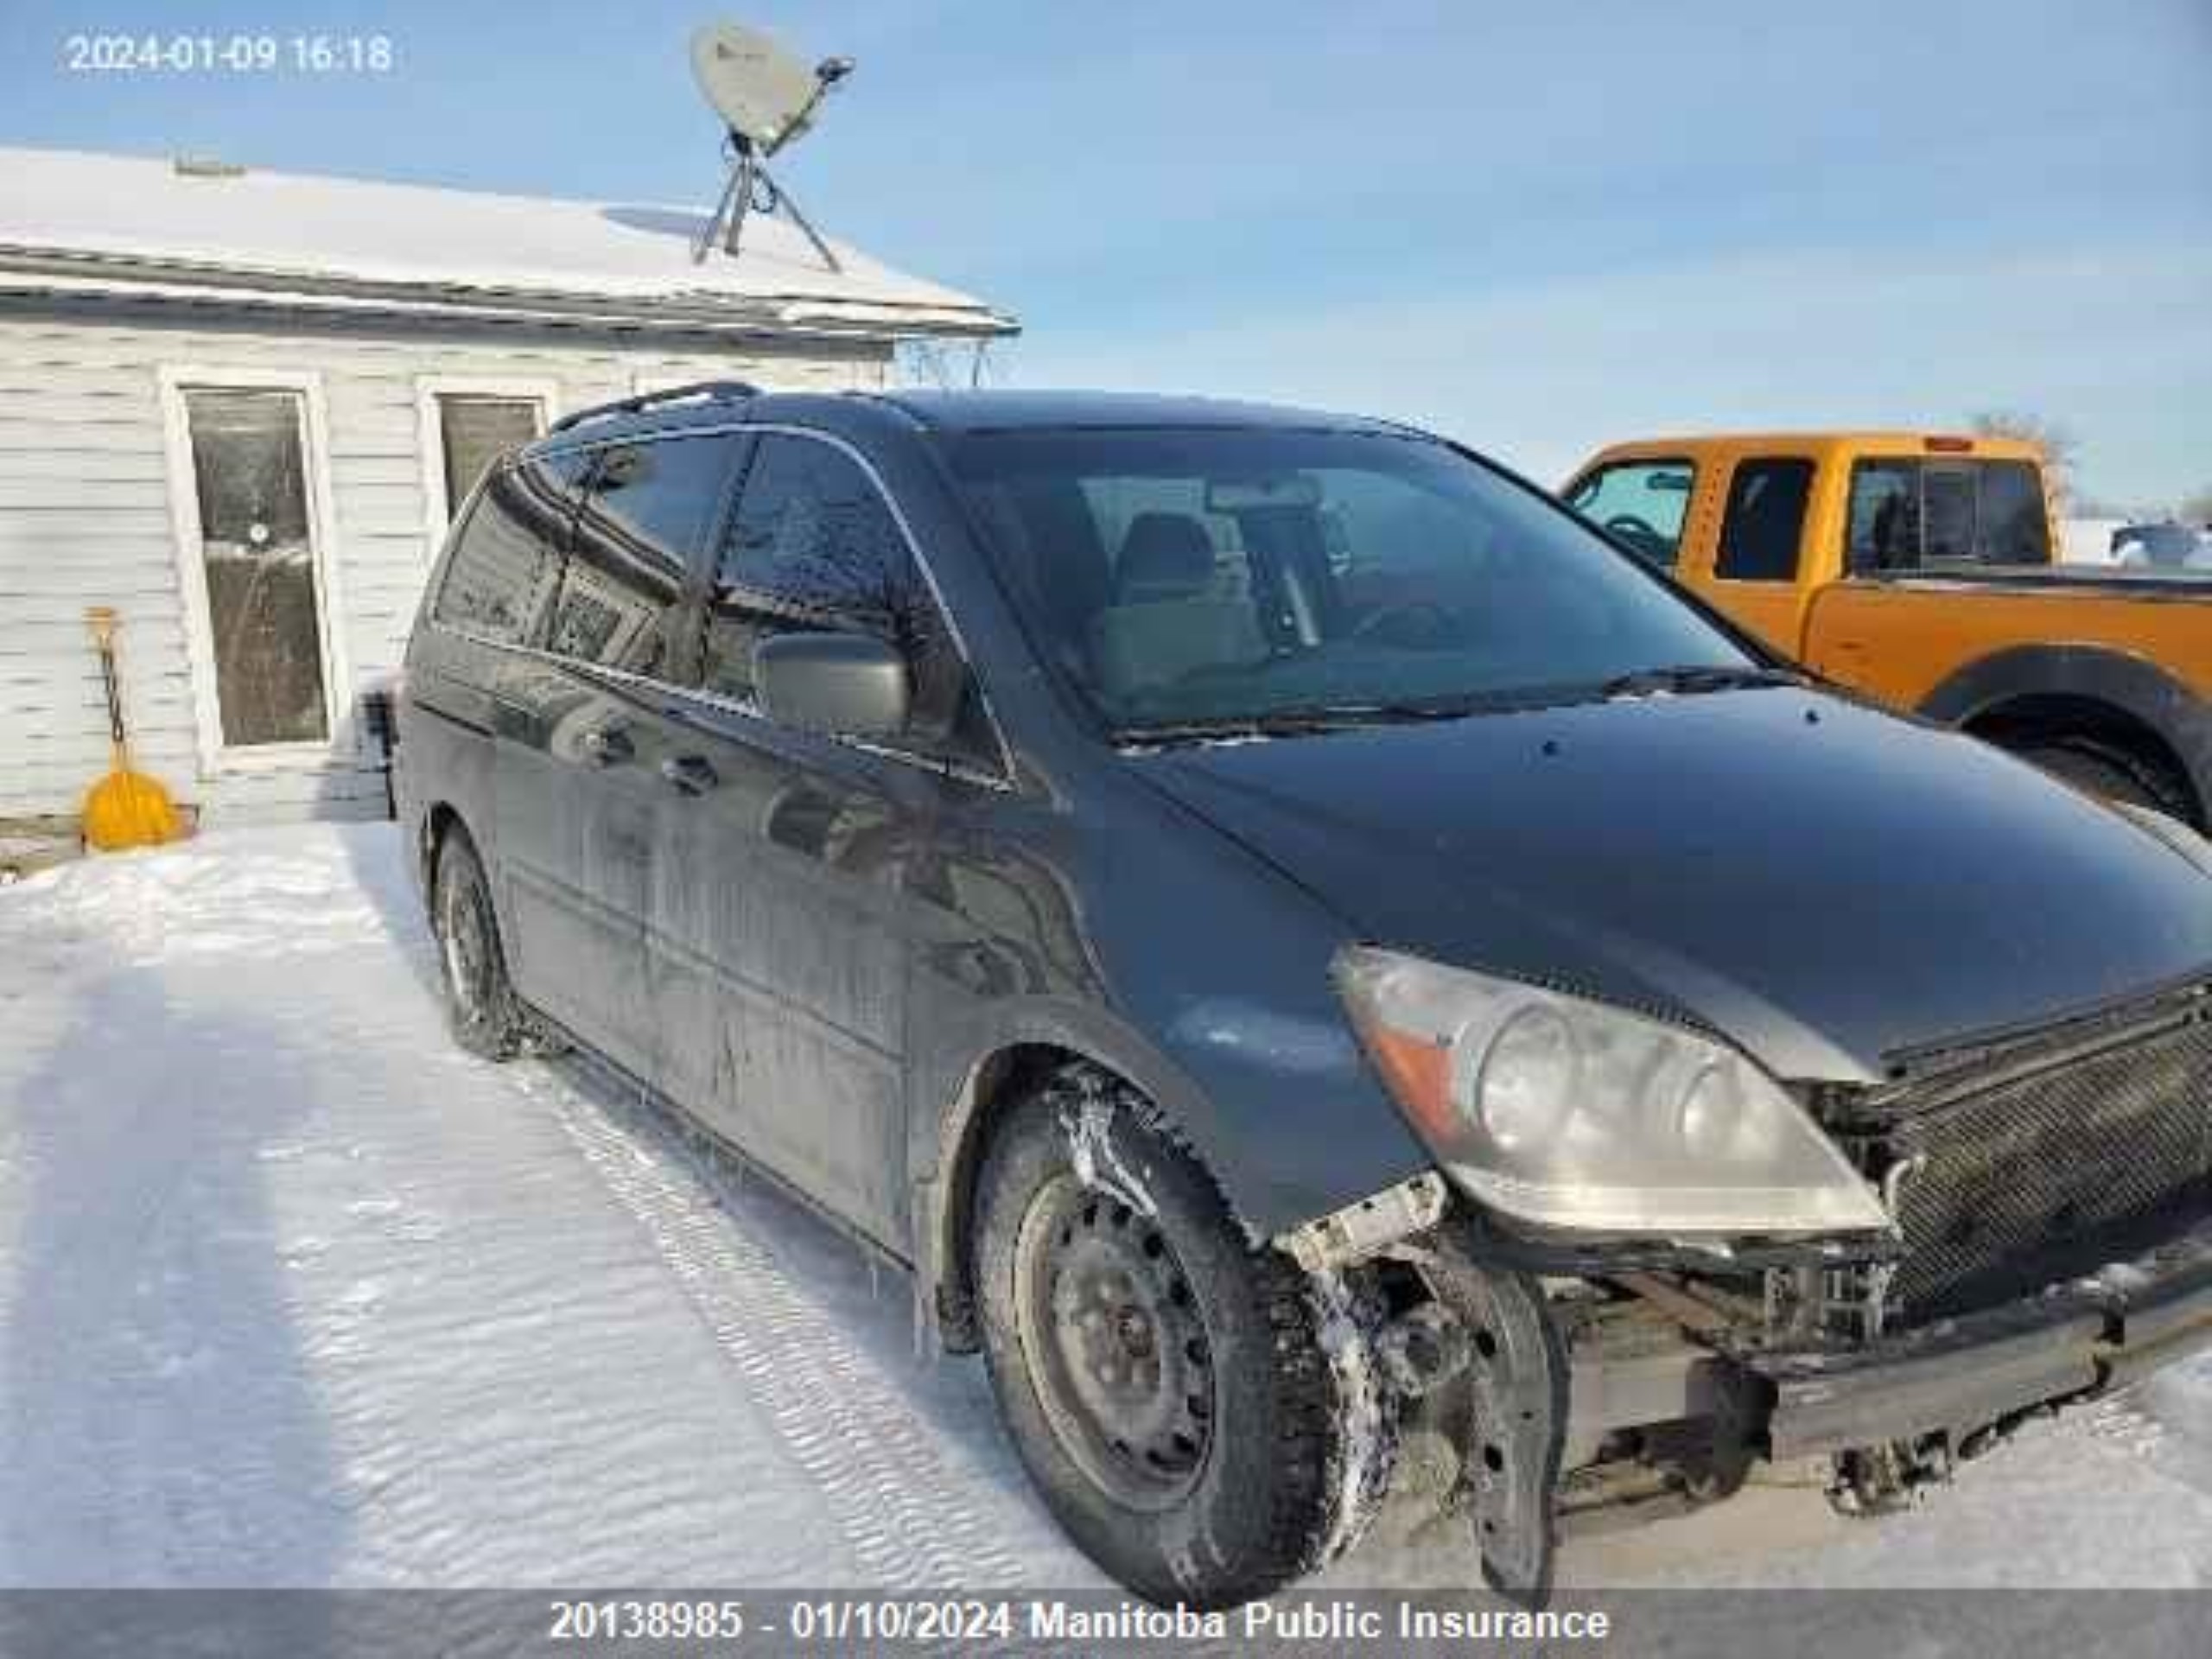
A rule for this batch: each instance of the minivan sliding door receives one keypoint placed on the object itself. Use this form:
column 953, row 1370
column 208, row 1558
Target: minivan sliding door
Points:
column 586, row 765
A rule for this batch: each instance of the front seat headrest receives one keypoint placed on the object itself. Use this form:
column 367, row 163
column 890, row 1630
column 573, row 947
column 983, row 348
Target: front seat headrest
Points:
column 1166, row 555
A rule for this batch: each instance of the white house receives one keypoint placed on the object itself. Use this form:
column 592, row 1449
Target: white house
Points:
column 237, row 405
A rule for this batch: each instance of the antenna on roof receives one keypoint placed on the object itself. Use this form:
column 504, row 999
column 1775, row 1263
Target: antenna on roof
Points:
column 767, row 98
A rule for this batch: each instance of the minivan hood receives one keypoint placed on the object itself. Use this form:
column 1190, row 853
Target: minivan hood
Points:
column 1825, row 883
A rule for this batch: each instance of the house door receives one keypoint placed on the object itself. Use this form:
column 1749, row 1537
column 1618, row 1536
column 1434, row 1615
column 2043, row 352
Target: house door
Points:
column 253, row 566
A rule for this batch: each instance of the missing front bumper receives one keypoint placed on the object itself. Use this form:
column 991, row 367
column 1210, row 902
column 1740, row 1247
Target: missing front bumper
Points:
column 1576, row 1404
column 1987, row 1368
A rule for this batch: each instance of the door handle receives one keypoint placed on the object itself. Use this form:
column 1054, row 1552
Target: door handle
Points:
column 603, row 745
column 688, row 773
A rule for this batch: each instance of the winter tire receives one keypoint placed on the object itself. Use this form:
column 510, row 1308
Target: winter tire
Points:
column 1204, row 1419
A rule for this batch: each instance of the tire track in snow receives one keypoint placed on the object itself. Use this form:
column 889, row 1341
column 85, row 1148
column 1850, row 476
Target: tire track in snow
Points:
column 877, row 1465
column 2134, row 1425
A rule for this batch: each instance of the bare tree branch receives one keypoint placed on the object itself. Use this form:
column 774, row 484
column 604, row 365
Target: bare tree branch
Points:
column 2061, row 447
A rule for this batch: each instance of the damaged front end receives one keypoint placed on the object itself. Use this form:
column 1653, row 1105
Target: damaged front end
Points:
column 2050, row 1237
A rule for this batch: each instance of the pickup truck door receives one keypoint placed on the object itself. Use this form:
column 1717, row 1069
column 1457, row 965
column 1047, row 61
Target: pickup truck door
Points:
column 1762, row 561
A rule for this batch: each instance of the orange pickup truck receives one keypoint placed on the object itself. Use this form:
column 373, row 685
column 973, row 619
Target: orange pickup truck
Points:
column 1918, row 569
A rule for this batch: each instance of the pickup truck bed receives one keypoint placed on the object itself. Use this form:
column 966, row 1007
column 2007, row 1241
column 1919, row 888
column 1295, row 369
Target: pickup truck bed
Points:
column 2067, row 667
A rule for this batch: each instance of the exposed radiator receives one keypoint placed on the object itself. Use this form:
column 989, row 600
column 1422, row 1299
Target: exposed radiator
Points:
column 2020, row 1181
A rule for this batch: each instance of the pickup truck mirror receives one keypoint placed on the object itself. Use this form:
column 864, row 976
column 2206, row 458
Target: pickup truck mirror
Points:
column 846, row 685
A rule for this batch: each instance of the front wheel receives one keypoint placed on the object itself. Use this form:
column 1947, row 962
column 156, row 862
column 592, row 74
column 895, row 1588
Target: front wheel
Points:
column 1204, row 1418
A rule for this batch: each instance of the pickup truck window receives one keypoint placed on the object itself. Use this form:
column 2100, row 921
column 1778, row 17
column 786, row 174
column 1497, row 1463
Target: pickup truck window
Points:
column 1642, row 503
column 1765, row 520
column 1910, row 515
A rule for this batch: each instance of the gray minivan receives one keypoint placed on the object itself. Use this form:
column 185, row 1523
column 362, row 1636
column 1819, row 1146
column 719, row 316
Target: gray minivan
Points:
column 1303, row 946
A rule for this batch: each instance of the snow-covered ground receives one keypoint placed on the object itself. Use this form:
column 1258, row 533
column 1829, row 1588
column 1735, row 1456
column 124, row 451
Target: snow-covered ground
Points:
column 292, row 1292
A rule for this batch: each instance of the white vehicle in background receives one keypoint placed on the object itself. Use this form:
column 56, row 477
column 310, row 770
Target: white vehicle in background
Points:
column 2167, row 546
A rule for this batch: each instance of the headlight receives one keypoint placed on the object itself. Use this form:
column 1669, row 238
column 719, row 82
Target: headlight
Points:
column 1570, row 1114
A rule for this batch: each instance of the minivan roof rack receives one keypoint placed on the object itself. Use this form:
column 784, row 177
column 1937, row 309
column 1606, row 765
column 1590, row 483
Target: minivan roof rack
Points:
column 721, row 392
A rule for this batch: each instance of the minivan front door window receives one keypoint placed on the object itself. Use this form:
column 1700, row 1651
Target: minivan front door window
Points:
column 257, row 560
column 814, row 545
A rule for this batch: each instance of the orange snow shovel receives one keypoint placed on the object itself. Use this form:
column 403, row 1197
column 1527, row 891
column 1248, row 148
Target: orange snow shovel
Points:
column 125, row 808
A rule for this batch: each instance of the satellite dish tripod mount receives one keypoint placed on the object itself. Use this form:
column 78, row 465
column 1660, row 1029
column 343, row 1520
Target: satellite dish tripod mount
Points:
column 753, row 189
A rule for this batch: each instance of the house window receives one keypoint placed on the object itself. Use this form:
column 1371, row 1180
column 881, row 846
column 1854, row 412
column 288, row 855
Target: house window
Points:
column 475, row 431
column 258, row 564
column 466, row 424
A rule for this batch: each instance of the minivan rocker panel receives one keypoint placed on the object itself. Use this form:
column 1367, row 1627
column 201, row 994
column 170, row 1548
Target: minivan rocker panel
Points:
column 1716, row 858
column 1304, row 947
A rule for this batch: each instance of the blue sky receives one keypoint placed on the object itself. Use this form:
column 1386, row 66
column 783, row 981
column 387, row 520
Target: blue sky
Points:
column 1536, row 228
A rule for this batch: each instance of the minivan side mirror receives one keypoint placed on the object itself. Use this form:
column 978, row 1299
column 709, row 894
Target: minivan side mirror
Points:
column 846, row 685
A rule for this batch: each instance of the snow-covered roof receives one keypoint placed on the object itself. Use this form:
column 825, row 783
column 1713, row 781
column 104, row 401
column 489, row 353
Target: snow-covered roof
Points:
column 77, row 223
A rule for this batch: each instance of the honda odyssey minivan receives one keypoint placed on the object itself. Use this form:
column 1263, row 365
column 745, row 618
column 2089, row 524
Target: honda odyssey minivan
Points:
column 1303, row 947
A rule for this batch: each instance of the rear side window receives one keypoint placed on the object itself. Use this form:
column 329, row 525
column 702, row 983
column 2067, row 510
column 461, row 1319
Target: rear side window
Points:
column 506, row 560
column 645, row 521
column 1642, row 503
column 1907, row 515
column 1765, row 520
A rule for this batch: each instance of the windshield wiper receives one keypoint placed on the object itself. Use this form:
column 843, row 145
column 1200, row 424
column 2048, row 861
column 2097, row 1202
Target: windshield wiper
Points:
column 1688, row 679
column 1296, row 722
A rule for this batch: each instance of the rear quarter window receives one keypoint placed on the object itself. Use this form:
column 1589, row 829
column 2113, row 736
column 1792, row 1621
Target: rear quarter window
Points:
column 506, row 556
column 1765, row 520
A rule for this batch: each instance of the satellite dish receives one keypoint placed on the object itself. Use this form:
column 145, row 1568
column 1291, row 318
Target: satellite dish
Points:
column 765, row 98
column 758, row 88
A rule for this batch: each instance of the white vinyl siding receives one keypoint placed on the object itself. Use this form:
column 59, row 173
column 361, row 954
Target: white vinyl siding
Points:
column 88, row 517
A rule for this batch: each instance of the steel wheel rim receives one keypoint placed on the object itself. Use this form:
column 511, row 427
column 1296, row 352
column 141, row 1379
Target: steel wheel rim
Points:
column 1115, row 1346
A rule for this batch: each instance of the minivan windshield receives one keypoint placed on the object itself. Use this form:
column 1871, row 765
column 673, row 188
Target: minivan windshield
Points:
column 1188, row 579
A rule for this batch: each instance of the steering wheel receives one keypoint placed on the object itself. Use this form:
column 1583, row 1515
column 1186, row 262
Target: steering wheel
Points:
column 1429, row 621
column 1642, row 536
